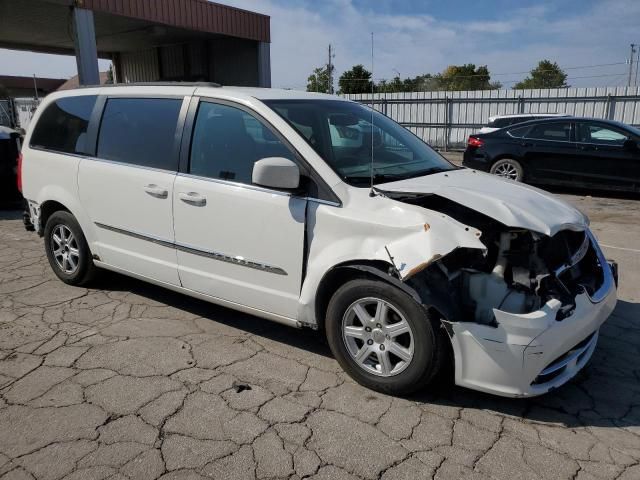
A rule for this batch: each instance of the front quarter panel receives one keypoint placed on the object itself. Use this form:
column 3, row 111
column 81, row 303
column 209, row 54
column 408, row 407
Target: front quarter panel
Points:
column 406, row 237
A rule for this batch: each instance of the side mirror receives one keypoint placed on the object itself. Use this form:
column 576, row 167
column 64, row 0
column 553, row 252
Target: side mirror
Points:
column 276, row 172
column 630, row 145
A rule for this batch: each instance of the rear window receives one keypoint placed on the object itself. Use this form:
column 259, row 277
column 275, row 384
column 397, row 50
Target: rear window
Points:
column 500, row 122
column 519, row 132
column 62, row 127
column 140, row 131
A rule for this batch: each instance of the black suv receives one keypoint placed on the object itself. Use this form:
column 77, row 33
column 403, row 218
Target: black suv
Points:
column 581, row 152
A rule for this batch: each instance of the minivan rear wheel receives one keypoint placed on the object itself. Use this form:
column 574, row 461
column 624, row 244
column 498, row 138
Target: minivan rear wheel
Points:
column 382, row 338
column 508, row 168
column 67, row 249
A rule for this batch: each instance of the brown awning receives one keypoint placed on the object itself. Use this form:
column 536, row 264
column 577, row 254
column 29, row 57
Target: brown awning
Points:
column 199, row 15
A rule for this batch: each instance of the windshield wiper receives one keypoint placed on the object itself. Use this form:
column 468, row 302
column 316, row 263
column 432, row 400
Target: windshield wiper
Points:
column 377, row 178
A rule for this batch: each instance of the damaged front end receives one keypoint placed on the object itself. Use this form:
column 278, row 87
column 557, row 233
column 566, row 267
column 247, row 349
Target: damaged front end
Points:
column 523, row 313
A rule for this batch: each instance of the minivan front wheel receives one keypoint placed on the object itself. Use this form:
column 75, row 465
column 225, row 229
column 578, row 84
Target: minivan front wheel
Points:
column 508, row 168
column 382, row 338
column 67, row 249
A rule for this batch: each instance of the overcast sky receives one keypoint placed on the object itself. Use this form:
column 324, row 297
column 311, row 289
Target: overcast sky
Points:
column 425, row 36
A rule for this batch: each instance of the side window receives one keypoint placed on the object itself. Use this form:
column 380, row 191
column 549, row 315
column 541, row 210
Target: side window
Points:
column 560, row 131
column 227, row 141
column 140, row 131
column 596, row 133
column 62, row 127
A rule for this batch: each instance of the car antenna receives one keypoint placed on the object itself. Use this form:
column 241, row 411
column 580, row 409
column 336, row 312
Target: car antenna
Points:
column 372, row 192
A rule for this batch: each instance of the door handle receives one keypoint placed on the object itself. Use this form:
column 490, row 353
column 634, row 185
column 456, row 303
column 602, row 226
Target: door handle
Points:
column 156, row 191
column 193, row 198
column 527, row 144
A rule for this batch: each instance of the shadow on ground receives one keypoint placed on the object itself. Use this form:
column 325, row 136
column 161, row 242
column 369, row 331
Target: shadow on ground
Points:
column 605, row 394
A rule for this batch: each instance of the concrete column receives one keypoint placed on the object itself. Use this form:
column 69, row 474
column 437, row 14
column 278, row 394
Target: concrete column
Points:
column 85, row 46
column 264, row 64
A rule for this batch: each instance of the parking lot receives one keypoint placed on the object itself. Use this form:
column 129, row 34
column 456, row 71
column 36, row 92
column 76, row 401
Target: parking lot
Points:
column 127, row 380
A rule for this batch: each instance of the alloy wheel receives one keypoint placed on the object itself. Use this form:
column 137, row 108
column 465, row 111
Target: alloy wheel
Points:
column 378, row 337
column 65, row 249
column 507, row 170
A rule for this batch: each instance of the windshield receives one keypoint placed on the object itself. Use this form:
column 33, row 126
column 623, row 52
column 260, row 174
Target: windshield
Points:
column 343, row 135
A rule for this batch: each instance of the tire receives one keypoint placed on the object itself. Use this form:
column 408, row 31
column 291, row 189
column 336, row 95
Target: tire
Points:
column 508, row 168
column 422, row 339
column 67, row 249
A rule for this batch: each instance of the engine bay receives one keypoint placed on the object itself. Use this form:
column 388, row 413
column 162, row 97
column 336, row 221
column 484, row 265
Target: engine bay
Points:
column 518, row 273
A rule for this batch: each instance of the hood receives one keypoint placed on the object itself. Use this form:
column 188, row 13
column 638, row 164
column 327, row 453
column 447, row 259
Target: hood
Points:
column 512, row 204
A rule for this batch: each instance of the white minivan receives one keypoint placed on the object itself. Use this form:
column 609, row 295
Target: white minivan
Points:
column 315, row 211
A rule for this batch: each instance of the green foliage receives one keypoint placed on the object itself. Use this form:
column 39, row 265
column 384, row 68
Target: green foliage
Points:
column 4, row 93
column 318, row 81
column 356, row 80
column 466, row 77
column 546, row 75
column 454, row 77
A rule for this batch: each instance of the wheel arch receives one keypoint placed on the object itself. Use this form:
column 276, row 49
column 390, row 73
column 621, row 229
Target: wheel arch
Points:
column 340, row 274
column 47, row 209
column 54, row 198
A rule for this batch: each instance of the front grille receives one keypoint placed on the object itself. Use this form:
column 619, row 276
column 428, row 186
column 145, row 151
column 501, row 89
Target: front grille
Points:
column 570, row 358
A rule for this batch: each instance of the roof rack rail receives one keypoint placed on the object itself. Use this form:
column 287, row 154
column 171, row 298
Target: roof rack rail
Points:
column 156, row 84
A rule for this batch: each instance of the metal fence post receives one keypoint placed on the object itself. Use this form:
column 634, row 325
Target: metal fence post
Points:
column 447, row 124
column 520, row 104
column 610, row 107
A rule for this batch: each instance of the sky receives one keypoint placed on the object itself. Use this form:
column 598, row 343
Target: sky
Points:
column 589, row 38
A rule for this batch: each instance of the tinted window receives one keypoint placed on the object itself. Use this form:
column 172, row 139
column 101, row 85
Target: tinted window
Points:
column 500, row 123
column 140, row 131
column 227, row 142
column 63, row 125
column 560, row 131
column 597, row 133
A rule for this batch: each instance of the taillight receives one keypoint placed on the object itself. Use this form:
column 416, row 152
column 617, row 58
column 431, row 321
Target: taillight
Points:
column 474, row 142
column 19, row 173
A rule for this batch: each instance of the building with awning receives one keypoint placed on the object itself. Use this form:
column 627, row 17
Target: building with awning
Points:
column 147, row 40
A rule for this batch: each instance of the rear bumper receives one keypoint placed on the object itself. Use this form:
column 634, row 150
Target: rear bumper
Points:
column 26, row 217
column 531, row 354
column 474, row 158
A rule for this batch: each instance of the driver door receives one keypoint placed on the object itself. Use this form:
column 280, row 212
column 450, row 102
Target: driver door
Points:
column 236, row 241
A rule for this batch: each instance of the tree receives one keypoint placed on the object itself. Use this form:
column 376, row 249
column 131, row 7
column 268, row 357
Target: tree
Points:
column 318, row 81
column 420, row 83
column 356, row 80
column 110, row 75
column 466, row 77
column 546, row 75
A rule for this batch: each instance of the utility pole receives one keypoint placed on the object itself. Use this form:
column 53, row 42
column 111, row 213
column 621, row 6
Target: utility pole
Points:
column 330, row 72
column 635, row 82
column 35, row 87
column 633, row 51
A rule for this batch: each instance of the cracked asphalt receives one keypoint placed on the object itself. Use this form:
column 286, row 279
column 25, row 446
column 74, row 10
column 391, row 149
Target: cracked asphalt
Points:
column 130, row 381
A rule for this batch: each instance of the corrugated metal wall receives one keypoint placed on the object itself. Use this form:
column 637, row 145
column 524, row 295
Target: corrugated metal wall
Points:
column 6, row 114
column 139, row 66
column 229, row 61
column 446, row 119
column 190, row 14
